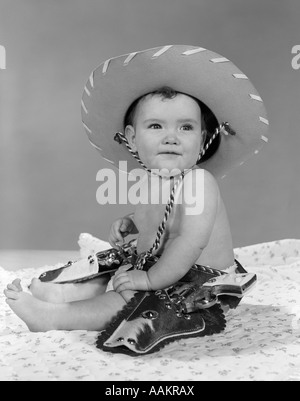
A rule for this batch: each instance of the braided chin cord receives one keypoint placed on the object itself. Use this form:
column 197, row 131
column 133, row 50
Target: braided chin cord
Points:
column 121, row 138
column 161, row 229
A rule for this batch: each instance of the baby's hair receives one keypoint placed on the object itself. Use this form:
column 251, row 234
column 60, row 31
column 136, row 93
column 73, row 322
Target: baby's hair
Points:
column 209, row 121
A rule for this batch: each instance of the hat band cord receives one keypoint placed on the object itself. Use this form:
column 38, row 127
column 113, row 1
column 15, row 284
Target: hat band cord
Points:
column 121, row 138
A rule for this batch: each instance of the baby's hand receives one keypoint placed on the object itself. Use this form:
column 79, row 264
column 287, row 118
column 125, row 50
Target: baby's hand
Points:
column 136, row 280
column 119, row 230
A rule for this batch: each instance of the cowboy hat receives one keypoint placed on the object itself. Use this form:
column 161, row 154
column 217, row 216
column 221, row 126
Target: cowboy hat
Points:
column 195, row 71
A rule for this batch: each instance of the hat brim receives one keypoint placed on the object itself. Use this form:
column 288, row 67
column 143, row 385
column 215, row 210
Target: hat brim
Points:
column 201, row 73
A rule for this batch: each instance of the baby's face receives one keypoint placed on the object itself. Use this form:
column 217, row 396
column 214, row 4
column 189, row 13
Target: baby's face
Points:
column 167, row 132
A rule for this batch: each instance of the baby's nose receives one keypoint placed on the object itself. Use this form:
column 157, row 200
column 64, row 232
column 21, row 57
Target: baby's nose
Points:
column 171, row 138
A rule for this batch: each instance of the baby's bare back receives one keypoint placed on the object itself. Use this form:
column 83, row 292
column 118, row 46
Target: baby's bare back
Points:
column 218, row 252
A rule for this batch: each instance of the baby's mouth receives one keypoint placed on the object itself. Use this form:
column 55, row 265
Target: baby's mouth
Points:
column 170, row 153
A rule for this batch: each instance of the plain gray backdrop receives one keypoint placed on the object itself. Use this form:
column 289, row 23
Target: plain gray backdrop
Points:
column 47, row 166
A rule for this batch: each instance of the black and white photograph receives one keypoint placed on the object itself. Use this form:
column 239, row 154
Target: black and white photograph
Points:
column 149, row 193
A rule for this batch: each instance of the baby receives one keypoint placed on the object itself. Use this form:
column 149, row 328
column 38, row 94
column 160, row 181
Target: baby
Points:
column 169, row 130
column 159, row 125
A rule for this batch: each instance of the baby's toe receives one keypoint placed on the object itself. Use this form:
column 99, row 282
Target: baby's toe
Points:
column 12, row 287
column 9, row 301
column 12, row 294
column 17, row 284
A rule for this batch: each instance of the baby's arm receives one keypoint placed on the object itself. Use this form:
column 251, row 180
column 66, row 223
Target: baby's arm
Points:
column 194, row 234
column 185, row 249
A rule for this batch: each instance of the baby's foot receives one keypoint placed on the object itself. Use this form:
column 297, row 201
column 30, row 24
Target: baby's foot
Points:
column 15, row 285
column 35, row 313
column 47, row 292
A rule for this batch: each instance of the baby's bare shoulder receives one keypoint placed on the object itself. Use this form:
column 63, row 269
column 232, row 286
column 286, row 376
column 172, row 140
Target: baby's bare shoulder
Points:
column 198, row 181
column 200, row 173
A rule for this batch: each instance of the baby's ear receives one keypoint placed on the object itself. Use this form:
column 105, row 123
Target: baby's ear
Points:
column 130, row 135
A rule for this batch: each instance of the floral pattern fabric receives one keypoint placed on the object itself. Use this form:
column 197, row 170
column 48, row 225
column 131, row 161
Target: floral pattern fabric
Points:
column 261, row 341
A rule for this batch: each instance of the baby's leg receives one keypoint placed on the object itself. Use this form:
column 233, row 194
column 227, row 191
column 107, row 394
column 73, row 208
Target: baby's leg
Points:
column 40, row 316
column 59, row 293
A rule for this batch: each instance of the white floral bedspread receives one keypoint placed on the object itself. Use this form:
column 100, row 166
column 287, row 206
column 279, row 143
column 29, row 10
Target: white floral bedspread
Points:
column 261, row 341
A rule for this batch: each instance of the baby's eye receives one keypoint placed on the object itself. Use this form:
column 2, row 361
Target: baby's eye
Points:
column 187, row 127
column 155, row 126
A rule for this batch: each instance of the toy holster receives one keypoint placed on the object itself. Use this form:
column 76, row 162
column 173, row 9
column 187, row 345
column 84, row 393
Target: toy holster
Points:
column 193, row 307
